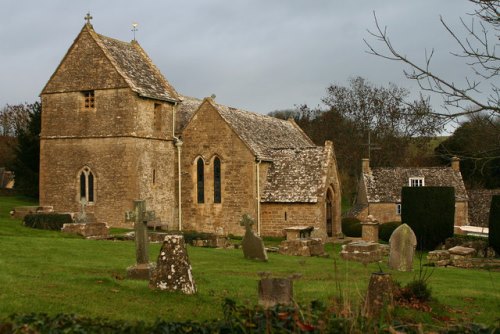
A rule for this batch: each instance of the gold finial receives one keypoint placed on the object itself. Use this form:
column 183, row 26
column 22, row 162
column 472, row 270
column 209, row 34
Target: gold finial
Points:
column 134, row 28
column 88, row 18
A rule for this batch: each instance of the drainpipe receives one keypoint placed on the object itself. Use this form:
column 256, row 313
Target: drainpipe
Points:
column 178, row 145
column 257, row 168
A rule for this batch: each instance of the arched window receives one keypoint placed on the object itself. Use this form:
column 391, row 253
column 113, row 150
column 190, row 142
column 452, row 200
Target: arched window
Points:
column 200, row 177
column 87, row 185
column 217, row 181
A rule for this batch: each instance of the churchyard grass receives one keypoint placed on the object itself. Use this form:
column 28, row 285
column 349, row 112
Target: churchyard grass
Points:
column 46, row 271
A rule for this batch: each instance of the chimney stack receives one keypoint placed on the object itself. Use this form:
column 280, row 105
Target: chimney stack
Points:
column 455, row 164
column 365, row 165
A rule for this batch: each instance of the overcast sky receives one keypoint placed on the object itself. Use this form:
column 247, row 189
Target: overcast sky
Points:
column 258, row 55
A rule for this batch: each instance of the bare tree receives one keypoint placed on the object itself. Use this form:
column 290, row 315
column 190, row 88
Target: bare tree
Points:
column 480, row 93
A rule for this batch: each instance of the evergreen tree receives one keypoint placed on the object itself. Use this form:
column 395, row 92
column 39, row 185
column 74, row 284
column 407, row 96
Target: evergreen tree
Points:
column 26, row 164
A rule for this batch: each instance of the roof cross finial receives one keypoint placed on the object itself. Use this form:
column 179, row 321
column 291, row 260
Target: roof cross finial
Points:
column 371, row 146
column 134, row 28
column 88, row 17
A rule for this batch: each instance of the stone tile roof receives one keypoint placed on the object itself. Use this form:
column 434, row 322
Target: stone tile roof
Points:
column 263, row 133
column 384, row 184
column 296, row 175
column 479, row 206
column 185, row 111
column 137, row 69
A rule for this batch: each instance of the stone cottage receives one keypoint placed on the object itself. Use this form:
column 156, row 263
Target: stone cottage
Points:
column 379, row 189
column 115, row 130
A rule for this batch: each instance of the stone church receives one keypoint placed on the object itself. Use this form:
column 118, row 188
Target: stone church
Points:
column 115, row 130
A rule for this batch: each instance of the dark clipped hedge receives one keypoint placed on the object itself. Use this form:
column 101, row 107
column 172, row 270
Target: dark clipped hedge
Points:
column 385, row 230
column 430, row 212
column 351, row 227
column 494, row 224
column 47, row 221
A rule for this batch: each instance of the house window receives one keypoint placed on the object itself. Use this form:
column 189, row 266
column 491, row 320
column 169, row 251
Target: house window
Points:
column 89, row 100
column 217, row 181
column 87, row 185
column 200, row 180
column 416, row 182
column 398, row 209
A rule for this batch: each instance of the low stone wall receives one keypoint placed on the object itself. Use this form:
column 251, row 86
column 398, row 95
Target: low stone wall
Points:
column 21, row 211
column 461, row 257
column 302, row 247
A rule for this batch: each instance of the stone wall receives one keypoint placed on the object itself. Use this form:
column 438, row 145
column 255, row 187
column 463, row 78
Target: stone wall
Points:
column 479, row 206
column 122, row 169
column 238, row 179
column 276, row 216
column 386, row 212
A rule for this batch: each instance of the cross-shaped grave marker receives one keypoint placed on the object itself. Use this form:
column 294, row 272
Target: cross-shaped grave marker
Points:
column 140, row 216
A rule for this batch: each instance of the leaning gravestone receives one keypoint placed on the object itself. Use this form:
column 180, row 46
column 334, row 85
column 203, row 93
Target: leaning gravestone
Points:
column 253, row 246
column 402, row 248
column 173, row 269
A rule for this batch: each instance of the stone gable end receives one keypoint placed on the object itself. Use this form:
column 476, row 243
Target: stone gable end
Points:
column 208, row 135
column 85, row 67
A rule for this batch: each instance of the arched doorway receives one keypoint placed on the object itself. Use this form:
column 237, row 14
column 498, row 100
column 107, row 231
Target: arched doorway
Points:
column 329, row 212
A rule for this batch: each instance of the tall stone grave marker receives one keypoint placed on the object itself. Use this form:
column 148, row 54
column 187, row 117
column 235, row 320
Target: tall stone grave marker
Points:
column 143, row 268
column 252, row 244
column 173, row 269
column 402, row 248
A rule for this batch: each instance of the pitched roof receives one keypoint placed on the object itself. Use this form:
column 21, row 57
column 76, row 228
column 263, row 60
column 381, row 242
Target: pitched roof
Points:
column 137, row 69
column 185, row 111
column 131, row 63
column 263, row 133
column 296, row 175
column 384, row 184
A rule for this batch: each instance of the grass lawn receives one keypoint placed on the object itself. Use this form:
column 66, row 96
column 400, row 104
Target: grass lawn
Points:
column 44, row 271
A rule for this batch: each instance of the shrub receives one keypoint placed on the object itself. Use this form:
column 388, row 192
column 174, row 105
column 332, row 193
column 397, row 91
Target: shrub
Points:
column 494, row 224
column 430, row 212
column 385, row 230
column 47, row 221
column 351, row 227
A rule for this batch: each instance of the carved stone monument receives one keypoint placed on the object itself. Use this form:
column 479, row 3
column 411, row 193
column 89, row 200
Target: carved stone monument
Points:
column 143, row 268
column 369, row 229
column 253, row 246
column 380, row 296
column 173, row 269
column 402, row 248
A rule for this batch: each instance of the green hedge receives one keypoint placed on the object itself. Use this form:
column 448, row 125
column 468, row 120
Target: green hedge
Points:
column 494, row 224
column 430, row 212
column 47, row 221
column 385, row 230
column 351, row 227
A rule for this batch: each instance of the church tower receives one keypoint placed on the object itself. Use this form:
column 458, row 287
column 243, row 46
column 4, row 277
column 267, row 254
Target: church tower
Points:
column 107, row 131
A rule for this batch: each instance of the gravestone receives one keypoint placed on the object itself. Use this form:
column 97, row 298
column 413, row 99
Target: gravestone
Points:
column 402, row 248
column 143, row 268
column 253, row 246
column 380, row 295
column 86, row 224
column 274, row 291
column 461, row 256
column 173, row 269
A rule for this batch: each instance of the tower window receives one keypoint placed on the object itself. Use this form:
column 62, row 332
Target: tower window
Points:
column 89, row 99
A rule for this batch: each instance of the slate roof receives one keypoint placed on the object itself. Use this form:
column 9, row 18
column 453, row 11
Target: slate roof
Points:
column 185, row 111
column 263, row 133
column 137, row 69
column 384, row 184
column 296, row 175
